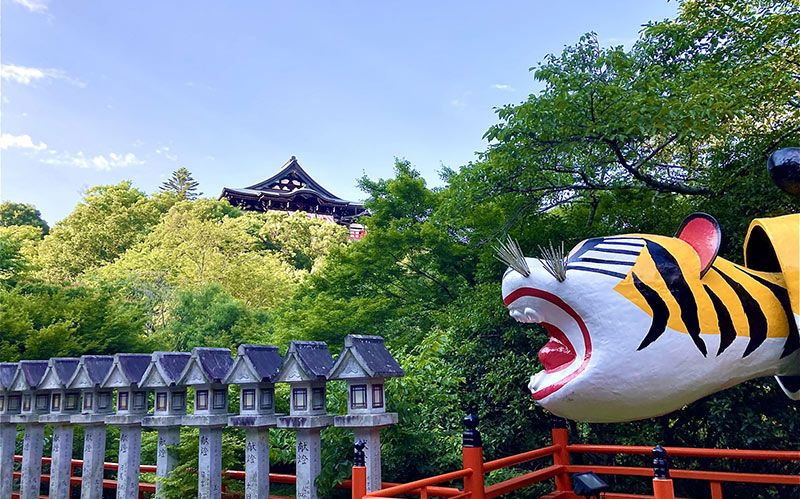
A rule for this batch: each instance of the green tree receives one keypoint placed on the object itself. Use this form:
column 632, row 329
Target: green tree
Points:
column 685, row 111
column 182, row 185
column 22, row 214
column 41, row 321
column 109, row 220
column 211, row 317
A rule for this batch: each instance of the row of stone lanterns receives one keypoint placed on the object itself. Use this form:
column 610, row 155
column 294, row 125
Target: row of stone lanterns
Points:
column 66, row 391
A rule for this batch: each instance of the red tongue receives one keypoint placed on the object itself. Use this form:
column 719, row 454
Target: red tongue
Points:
column 556, row 353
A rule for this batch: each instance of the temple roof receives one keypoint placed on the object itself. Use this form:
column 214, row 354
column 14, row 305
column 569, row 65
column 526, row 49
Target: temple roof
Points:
column 289, row 182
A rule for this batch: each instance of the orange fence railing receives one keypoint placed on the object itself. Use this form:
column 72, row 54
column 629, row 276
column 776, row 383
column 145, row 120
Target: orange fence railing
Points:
column 474, row 468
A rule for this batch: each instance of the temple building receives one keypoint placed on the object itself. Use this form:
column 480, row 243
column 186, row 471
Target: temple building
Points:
column 291, row 190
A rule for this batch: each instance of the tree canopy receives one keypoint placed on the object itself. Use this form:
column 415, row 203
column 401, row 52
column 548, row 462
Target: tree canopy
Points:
column 22, row 214
column 182, row 185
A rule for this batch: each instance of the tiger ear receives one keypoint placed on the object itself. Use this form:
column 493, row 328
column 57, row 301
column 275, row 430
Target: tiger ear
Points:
column 703, row 234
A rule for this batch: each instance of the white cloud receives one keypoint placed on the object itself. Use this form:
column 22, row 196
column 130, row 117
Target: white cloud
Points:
column 26, row 75
column 32, row 5
column 503, row 86
column 458, row 103
column 164, row 151
column 98, row 162
column 20, row 141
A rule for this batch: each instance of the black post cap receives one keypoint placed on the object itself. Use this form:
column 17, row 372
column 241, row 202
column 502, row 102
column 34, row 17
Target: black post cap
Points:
column 359, row 457
column 660, row 463
column 558, row 422
column 784, row 168
column 471, row 436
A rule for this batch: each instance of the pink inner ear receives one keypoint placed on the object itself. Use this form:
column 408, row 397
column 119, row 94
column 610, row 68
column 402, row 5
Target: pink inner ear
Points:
column 702, row 235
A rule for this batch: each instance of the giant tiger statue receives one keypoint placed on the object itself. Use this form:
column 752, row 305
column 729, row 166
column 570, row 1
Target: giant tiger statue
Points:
column 642, row 324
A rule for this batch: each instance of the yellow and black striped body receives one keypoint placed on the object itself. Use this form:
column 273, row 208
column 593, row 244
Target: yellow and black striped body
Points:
column 729, row 300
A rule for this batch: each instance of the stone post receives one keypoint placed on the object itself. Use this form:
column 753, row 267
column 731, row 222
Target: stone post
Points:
column 94, row 452
column 206, row 371
column 372, row 455
column 162, row 376
column 35, row 403
column 365, row 363
column 8, row 441
column 61, row 465
column 125, row 374
column 10, row 404
column 63, row 404
column 167, row 455
column 307, row 459
column 305, row 368
column 30, row 483
column 130, row 450
column 209, row 479
column 254, row 370
column 256, row 465
column 96, row 404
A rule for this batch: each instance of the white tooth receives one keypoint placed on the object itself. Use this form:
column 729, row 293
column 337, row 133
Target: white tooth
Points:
column 516, row 314
column 532, row 315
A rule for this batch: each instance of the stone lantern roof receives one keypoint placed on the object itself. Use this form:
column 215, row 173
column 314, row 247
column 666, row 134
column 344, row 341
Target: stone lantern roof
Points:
column 306, row 361
column 127, row 370
column 365, row 357
column 7, row 372
column 59, row 372
column 165, row 369
column 28, row 376
column 255, row 364
column 91, row 371
column 207, row 366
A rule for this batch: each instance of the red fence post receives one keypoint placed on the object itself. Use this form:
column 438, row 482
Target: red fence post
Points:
column 359, row 471
column 662, row 483
column 561, row 457
column 472, row 452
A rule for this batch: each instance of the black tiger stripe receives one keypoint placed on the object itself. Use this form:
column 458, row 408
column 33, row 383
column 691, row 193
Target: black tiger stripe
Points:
column 727, row 332
column 756, row 319
column 607, row 262
column 596, row 271
column 782, row 295
column 671, row 272
column 659, row 308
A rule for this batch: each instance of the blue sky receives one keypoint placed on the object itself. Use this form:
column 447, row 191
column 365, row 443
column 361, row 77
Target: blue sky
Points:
column 98, row 92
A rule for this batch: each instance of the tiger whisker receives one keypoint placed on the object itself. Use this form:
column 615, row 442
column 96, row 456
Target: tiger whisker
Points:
column 554, row 261
column 510, row 253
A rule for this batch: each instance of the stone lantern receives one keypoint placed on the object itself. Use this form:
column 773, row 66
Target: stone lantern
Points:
column 162, row 375
column 97, row 402
column 365, row 363
column 206, row 371
column 125, row 375
column 10, row 403
column 305, row 368
column 63, row 404
column 254, row 370
column 34, row 404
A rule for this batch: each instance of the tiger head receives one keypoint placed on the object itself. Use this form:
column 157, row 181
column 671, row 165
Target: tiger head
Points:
column 640, row 325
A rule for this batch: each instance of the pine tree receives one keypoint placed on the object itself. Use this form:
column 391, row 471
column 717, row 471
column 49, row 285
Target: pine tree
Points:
column 182, row 184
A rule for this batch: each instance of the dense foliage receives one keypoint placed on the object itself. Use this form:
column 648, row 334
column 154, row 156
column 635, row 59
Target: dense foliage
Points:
column 617, row 141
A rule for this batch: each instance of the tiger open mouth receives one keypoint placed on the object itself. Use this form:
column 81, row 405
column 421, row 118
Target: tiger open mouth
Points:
column 569, row 348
